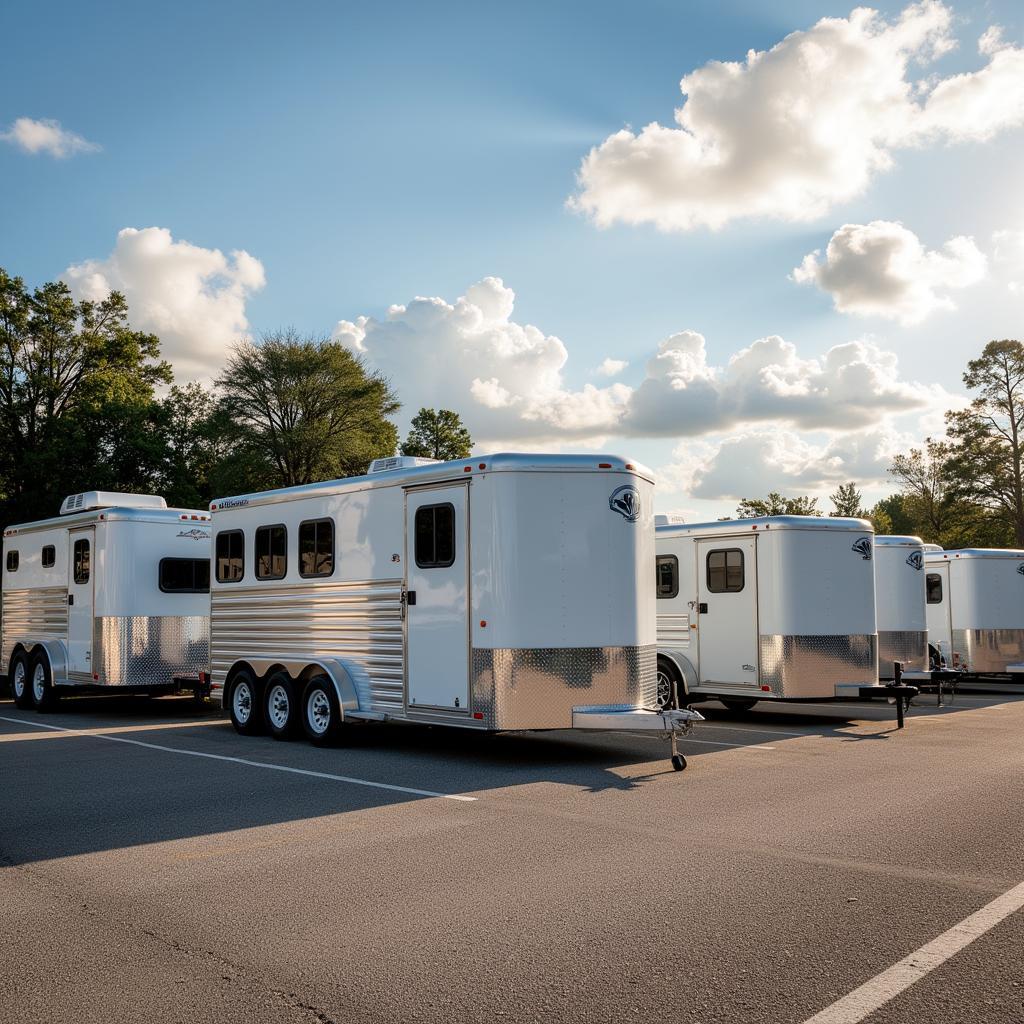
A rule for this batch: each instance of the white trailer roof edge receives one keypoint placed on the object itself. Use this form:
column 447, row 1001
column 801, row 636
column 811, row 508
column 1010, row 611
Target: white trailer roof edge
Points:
column 892, row 540
column 442, row 472
column 91, row 516
column 952, row 555
column 731, row 526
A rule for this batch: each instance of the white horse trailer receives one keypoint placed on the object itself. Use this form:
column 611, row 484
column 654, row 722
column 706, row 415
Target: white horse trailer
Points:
column 112, row 595
column 508, row 592
column 772, row 608
column 975, row 605
column 900, row 605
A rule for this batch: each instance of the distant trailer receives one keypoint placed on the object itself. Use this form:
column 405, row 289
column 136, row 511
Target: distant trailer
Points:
column 110, row 596
column 772, row 608
column 975, row 606
column 508, row 592
column 900, row 605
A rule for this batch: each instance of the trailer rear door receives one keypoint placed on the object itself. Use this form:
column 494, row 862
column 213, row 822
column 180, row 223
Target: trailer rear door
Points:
column 727, row 611
column 81, row 574
column 437, row 597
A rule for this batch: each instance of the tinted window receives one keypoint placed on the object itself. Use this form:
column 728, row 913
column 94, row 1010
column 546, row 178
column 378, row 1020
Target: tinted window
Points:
column 434, row 529
column 667, row 572
column 49, row 556
column 271, row 552
column 316, row 547
column 933, row 588
column 184, row 575
column 725, row 571
column 81, row 561
column 230, row 555
column 12, row 561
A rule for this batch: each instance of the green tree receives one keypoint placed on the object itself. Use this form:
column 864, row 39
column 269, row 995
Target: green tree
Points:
column 986, row 453
column 439, row 435
column 847, row 502
column 305, row 409
column 891, row 512
column 77, row 403
column 776, row 505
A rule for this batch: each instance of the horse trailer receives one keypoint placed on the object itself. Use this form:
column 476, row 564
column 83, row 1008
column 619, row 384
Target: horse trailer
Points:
column 112, row 595
column 771, row 608
column 900, row 605
column 975, row 606
column 508, row 592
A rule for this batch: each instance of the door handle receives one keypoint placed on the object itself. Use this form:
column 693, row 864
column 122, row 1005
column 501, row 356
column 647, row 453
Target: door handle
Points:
column 702, row 608
column 71, row 598
column 410, row 597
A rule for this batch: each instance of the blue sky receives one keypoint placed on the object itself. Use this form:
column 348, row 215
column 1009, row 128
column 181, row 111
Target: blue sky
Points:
column 368, row 154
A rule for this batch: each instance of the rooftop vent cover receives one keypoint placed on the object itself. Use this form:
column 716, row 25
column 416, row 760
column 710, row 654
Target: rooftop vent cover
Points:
column 88, row 500
column 669, row 519
column 394, row 462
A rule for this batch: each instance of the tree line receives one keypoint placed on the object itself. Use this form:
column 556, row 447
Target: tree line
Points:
column 963, row 490
column 87, row 402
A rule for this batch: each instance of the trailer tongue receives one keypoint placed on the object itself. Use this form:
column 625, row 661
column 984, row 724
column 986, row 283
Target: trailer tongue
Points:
column 671, row 723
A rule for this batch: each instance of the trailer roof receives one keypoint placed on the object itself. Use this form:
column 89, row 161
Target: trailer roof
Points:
column 500, row 462
column 149, row 515
column 891, row 540
column 766, row 523
column 946, row 556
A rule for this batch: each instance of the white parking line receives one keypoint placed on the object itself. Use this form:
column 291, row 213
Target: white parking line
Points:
column 863, row 1001
column 739, row 728
column 245, row 761
column 739, row 746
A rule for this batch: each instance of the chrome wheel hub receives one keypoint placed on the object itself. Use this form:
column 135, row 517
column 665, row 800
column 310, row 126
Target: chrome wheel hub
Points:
column 664, row 689
column 39, row 682
column 241, row 702
column 318, row 712
column 277, row 706
column 18, row 684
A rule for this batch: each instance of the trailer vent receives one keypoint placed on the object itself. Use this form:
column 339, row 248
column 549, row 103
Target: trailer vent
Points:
column 669, row 519
column 394, row 462
column 88, row 500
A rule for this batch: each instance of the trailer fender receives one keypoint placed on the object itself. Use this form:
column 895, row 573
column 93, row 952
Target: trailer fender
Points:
column 341, row 674
column 56, row 653
column 685, row 667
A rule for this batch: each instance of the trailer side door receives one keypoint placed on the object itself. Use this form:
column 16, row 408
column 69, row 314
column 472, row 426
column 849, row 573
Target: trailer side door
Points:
column 437, row 598
column 81, row 575
column 727, row 611
column 938, row 607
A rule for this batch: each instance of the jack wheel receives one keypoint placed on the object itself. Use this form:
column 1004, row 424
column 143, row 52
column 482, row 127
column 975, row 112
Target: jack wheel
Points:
column 678, row 762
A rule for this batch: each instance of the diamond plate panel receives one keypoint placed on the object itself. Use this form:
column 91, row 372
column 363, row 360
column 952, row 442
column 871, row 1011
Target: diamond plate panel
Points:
column 134, row 650
column 811, row 666
column 907, row 645
column 537, row 689
column 988, row 651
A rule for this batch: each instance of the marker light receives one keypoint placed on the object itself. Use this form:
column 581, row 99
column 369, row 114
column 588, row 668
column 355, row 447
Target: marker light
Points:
column 604, row 465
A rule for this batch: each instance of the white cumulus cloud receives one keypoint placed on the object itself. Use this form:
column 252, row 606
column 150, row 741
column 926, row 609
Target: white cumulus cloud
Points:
column 46, row 136
column 882, row 269
column 611, row 367
column 793, row 130
column 192, row 298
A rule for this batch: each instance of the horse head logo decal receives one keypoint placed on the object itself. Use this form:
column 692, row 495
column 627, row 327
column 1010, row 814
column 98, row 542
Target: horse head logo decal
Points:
column 625, row 501
column 863, row 548
column 915, row 560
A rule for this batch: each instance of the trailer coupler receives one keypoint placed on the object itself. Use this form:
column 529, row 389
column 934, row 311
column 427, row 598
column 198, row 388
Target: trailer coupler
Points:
column 671, row 723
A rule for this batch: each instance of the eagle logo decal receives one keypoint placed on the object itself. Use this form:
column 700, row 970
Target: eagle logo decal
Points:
column 863, row 548
column 915, row 560
column 625, row 501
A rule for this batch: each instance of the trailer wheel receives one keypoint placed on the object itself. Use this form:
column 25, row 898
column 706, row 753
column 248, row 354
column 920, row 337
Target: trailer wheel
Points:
column 280, row 706
column 738, row 703
column 678, row 762
column 19, row 676
column 667, row 676
column 44, row 696
column 244, row 705
column 321, row 715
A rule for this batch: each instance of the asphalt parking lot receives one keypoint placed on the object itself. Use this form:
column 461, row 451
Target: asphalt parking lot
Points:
column 156, row 866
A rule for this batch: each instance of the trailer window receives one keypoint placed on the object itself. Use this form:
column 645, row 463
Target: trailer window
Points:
column 434, row 528
column 12, row 561
column 667, row 571
column 185, row 575
column 271, row 552
column 230, row 556
column 725, row 571
column 49, row 556
column 316, row 547
column 933, row 588
column 80, row 561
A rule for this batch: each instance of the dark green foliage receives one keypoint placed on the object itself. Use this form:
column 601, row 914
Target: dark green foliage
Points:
column 776, row 505
column 438, row 434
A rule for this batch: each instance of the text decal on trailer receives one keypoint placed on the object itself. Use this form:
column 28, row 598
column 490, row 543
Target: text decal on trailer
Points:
column 195, row 534
column 626, row 501
column 863, row 548
column 915, row 560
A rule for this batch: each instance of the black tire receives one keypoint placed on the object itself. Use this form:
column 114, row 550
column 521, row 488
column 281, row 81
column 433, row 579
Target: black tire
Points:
column 320, row 712
column 44, row 695
column 19, row 675
column 738, row 703
column 678, row 762
column 668, row 675
column 281, row 706
column 244, row 704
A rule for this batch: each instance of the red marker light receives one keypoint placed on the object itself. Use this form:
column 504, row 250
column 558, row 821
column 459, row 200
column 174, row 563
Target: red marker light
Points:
column 467, row 469
column 483, row 465
column 483, row 622
column 767, row 689
column 604, row 465
column 478, row 715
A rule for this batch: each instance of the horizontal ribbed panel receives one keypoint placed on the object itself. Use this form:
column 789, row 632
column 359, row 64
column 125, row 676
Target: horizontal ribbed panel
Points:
column 359, row 622
column 673, row 631
column 40, row 613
